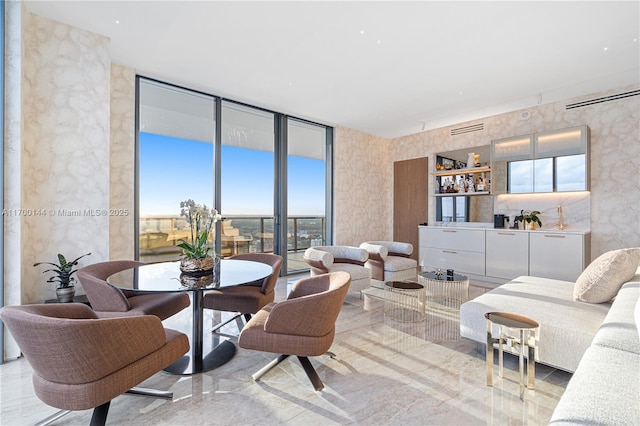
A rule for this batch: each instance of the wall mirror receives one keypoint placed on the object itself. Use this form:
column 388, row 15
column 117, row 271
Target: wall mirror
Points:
column 474, row 206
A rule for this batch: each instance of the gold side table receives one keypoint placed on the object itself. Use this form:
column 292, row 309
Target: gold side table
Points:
column 520, row 333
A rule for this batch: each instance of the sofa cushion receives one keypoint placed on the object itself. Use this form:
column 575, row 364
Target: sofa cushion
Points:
column 618, row 330
column 603, row 391
column 636, row 316
column 564, row 322
column 603, row 278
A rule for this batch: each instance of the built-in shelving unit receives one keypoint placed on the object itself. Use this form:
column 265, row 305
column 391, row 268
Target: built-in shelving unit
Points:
column 461, row 172
column 465, row 171
column 465, row 194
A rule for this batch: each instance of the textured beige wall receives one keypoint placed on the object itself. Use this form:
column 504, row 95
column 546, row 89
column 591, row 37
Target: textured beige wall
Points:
column 363, row 188
column 615, row 149
column 65, row 148
column 12, row 272
column 122, row 165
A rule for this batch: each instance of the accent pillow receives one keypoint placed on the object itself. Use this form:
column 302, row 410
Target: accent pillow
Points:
column 603, row 278
column 635, row 251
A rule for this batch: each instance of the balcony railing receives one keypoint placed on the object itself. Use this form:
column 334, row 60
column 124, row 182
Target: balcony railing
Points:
column 160, row 235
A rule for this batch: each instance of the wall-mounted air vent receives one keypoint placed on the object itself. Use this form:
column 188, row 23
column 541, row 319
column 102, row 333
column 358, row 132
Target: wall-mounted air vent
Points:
column 467, row 129
column 603, row 99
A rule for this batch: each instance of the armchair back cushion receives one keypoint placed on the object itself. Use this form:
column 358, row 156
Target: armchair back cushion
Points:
column 302, row 325
column 102, row 296
column 319, row 298
column 268, row 284
column 48, row 331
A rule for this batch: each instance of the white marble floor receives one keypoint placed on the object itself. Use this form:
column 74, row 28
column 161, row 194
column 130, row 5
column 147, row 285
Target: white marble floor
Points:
column 385, row 373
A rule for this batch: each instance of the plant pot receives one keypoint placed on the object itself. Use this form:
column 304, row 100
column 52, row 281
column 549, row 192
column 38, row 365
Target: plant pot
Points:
column 196, row 266
column 196, row 280
column 530, row 226
column 65, row 294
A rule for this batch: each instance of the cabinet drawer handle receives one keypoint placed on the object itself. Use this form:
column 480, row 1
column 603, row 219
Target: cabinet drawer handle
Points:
column 449, row 251
column 506, row 233
column 553, row 236
column 446, row 230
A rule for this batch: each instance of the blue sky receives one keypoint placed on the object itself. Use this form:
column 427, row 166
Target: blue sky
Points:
column 173, row 170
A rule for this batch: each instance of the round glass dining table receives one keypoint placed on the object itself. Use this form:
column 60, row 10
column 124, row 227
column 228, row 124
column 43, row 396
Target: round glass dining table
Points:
column 166, row 277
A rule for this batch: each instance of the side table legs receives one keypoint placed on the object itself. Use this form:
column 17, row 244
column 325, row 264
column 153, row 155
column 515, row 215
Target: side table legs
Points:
column 525, row 340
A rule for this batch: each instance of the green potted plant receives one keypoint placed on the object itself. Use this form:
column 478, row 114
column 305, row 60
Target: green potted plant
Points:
column 528, row 218
column 201, row 219
column 63, row 275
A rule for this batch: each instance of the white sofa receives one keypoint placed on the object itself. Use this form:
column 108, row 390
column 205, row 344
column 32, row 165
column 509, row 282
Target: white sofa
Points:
column 605, row 388
column 598, row 342
column 567, row 327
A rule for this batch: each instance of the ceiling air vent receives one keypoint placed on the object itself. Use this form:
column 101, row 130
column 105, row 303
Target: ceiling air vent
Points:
column 467, row 129
column 602, row 99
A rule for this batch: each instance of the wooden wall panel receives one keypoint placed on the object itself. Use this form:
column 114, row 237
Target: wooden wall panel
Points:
column 410, row 199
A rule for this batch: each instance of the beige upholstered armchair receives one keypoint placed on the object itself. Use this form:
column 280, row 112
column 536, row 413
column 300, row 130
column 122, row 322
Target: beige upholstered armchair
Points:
column 109, row 301
column 80, row 361
column 326, row 259
column 390, row 261
column 245, row 299
column 303, row 325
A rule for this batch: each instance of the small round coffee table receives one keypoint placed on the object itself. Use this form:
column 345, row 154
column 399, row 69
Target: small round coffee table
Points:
column 404, row 301
column 445, row 292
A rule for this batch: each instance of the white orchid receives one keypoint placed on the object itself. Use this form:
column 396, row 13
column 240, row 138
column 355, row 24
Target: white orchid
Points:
column 201, row 220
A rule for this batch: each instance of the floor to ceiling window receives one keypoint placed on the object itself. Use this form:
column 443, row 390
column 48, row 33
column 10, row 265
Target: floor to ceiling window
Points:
column 266, row 173
column 175, row 164
column 247, row 174
column 306, row 189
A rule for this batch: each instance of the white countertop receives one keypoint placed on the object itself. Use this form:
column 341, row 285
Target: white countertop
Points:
column 489, row 227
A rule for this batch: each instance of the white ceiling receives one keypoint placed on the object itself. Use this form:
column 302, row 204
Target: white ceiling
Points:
column 383, row 67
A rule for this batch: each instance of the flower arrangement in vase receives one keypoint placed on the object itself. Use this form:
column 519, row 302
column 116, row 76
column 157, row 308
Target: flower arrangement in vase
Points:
column 201, row 219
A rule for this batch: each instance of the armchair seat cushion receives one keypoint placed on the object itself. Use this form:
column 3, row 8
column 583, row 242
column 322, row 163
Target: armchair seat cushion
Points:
column 395, row 264
column 357, row 272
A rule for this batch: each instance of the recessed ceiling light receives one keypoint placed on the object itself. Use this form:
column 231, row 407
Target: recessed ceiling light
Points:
column 379, row 41
column 605, row 49
column 117, row 21
column 460, row 93
column 635, row 40
column 361, row 31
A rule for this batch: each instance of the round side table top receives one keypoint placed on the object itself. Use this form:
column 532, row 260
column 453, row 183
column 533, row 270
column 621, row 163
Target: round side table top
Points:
column 404, row 285
column 511, row 320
